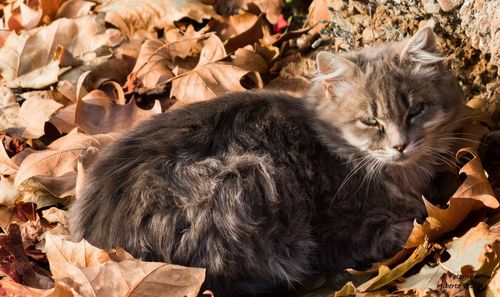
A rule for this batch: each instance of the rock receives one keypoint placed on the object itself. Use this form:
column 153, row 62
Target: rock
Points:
column 481, row 22
column 449, row 5
column 430, row 6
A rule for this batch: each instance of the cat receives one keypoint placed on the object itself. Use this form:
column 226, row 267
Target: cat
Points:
column 266, row 190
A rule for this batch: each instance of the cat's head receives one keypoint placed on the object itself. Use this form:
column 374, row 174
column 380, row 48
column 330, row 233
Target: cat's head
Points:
column 395, row 103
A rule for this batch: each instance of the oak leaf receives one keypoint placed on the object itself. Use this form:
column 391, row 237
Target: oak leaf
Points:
column 32, row 52
column 474, row 254
column 56, row 167
column 212, row 77
column 96, row 113
column 93, row 272
column 473, row 194
column 150, row 14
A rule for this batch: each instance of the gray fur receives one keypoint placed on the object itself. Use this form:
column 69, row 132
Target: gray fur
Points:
column 265, row 190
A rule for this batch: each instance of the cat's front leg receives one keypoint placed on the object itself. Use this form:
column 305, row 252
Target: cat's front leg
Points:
column 372, row 238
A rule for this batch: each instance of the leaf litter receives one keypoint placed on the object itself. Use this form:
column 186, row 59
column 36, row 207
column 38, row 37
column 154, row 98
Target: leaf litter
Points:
column 76, row 74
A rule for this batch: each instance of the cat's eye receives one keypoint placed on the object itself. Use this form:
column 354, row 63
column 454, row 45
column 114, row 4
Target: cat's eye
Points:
column 369, row 121
column 416, row 109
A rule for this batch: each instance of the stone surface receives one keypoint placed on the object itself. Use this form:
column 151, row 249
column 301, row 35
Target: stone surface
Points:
column 480, row 20
column 449, row 5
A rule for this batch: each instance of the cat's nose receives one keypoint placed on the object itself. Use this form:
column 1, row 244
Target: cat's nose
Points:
column 400, row 147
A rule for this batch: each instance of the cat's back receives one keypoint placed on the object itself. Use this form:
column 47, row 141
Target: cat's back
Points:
column 209, row 185
column 238, row 121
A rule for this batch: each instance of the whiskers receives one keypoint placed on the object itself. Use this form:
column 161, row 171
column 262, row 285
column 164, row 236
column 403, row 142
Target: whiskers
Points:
column 370, row 165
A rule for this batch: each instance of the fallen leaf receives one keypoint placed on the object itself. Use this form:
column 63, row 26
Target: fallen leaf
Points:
column 272, row 8
column 233, row 25
column 250, row 36
column 64, row 118
column 21, row 16
column 96, row 113
column 94, row 272
column 473, row 194
column 8, row 287
column 318, row 12
column 154, row 64
column 55, row 168
column 386, row 276
column 35, row 111
column 8, row 192
column 55, row 215
column 32, row 52
column 14, row 261
column 474, row 254
column 73, row 9
column 150, row 14
column 9, row 109
column 212, row 77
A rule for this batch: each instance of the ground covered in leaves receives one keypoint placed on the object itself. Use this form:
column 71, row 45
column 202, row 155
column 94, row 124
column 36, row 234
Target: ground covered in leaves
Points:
column 76, row 74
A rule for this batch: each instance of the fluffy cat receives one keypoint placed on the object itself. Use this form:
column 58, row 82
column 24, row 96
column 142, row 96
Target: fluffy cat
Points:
column 265, row 190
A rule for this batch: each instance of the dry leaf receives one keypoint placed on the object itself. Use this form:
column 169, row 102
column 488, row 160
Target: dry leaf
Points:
column 386, row 276
column 272, row 8
column 318, row 11
column 9, row 110
column 475, row 253
column 56, row 167
column 150, row 14
column 96, row 113
column 29, row 119
column 250, row 36
column 233, row 25
column 94, row 272
column 14, row 261
column 212, row 77
column 8, row 192
column 474, row 193
column 35, row 111
column 64, row 118
column 32, row 52
column 73, row 9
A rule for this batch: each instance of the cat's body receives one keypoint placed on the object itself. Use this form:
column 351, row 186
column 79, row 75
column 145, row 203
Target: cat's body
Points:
column 265, row 190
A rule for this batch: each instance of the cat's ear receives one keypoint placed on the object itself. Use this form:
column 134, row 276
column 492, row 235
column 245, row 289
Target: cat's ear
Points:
column 421, row 47
column 331, row 66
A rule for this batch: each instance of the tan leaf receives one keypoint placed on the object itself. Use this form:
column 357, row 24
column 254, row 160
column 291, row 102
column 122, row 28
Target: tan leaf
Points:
column 272, row 8
column 21, row 16
column 94, row 272
column 9, row 110
column 154, row 63
column 74, row 9
column 233, row 25
column 61, row 252
column 150, row 14
column 246, row 58
column 56, row 215
column 35, row 111
column 318, row 11
column 34, row 50
column 96, row 113
column 55, row 168
column 29, row 119
column 386, row 276
column 8, row 287
column 64, row 119
column 474, row 193
column 475, row 253
column 8, row 192
column 258, row 30
column 213, row 77
column 213, row 50
column 211, row 80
